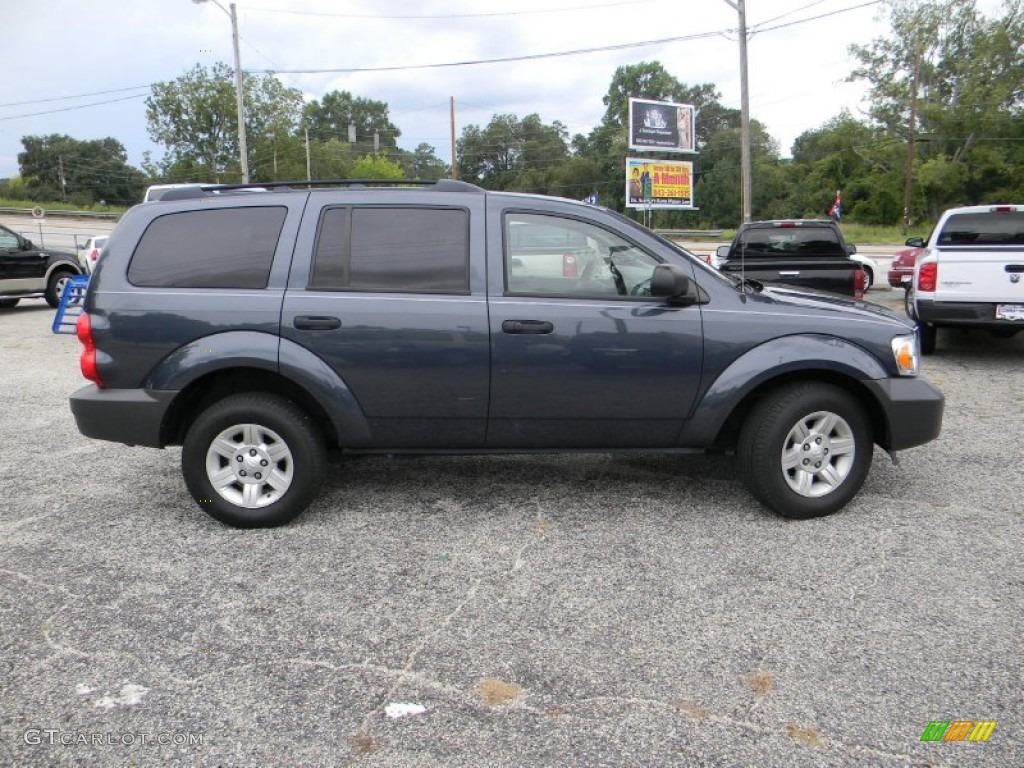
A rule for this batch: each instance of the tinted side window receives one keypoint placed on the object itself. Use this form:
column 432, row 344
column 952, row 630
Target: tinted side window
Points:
column 225, row 248
column 399, row 250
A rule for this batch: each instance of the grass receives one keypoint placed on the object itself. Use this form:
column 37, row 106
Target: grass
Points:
column 6, row 202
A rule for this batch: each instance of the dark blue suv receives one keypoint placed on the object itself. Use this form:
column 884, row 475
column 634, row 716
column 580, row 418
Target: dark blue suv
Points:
column 260, row 328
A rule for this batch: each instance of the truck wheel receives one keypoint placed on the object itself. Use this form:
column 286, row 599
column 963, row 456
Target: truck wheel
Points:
column 869, row 274
column 805, row 450
column 253, row 460
column 55, row 288
column 928, row 334
column 9, row 303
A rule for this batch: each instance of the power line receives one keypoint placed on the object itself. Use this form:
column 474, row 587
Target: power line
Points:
column 501, row 60
column 76, row 96
column 450, row 15
column 555, row 54
column 78, row 106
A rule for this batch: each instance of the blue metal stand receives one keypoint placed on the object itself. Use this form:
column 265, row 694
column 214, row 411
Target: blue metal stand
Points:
column 71, row 303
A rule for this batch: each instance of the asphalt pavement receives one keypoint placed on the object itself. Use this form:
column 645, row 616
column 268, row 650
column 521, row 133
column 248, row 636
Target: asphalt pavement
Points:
column 569, row 610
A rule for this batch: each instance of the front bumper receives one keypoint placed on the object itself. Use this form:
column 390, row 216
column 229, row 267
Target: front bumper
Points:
column 968, row 314
column 912, row 409
column 130, row 416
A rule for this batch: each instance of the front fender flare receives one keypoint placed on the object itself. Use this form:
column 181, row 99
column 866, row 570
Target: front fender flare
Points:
column 779, row 357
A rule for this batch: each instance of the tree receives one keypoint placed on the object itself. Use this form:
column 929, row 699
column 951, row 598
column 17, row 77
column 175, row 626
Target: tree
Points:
column 521, row 155
column 331, row 116
column 195, row 117
column 423, row 163
column 370, row 167
column 948, row 82
column 58, row 167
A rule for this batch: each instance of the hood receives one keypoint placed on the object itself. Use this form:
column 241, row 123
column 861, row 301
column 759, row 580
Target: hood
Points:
column 831, row 303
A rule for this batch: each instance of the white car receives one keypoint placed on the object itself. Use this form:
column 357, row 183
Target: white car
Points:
column 970, row 273
column 89, row 254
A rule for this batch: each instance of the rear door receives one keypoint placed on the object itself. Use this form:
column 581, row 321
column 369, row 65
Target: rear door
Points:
column 980, row 256
column 387, row 287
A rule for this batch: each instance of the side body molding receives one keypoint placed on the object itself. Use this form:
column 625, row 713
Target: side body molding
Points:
column 780, row 356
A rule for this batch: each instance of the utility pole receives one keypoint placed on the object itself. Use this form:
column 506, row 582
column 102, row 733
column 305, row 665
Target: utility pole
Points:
column 908, row 173
column 309, row 177
column 243, row 150
column 63, row 181
column 455, row 168
column 746, row 183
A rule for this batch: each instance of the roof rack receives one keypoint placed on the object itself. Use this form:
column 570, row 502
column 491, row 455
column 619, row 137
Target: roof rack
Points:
column 206, row 190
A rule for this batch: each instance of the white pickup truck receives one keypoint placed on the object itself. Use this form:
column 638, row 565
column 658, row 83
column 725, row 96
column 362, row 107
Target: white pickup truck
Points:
column 971, row 273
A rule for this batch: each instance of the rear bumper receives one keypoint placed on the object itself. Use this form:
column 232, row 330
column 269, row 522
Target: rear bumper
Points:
column 972, row 314
column 900, row 278
column 130, row 416
column 912, row 409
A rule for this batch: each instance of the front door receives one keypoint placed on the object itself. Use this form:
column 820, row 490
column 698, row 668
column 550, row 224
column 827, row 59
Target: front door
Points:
column 582, row 355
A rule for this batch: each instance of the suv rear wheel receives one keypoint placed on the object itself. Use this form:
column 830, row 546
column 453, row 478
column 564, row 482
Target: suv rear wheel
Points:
column 805, row 450
column 253, row 460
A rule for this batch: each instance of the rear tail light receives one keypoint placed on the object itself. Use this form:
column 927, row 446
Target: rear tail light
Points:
column 87, row 361
column 569, row 266
column 860, row 284
column 94, row 255
column 928, row 277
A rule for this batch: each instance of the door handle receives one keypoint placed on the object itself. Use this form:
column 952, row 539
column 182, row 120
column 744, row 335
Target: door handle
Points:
column 316, row 322
column 527, row 326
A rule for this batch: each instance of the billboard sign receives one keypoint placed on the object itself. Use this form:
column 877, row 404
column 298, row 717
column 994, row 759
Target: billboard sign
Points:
column 659, row 183
column 661, row 126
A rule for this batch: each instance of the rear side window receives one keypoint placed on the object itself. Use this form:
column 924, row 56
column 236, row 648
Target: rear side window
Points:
column 984, row 228
column 391, row 249
column 223, row 248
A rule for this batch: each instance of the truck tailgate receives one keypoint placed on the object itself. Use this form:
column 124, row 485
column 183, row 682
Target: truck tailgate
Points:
column 991, row 274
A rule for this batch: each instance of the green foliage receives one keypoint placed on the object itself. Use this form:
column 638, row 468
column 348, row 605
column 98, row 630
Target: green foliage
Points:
column 370, row 167
column 58, row 167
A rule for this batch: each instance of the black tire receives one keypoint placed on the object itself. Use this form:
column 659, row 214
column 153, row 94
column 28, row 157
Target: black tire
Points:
column 9, row 303
column 766, row 433
column 869, row 273
column 54, row 287
column 265, row 414
column 928, row 334
column 908, row 304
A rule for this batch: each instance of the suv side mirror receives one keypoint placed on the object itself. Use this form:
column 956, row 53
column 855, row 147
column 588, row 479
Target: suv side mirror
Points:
column 851, row 248
column 722, row 251
column 915, row 242
column 672, row 282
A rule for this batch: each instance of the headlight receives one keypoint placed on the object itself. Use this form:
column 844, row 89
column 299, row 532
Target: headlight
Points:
column 905, row 350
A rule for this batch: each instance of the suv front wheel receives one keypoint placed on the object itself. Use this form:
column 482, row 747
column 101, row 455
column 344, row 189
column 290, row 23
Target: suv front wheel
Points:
column 253, row 460
column 805, row 450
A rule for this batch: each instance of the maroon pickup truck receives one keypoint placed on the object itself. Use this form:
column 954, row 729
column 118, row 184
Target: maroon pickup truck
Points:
column 808, row 253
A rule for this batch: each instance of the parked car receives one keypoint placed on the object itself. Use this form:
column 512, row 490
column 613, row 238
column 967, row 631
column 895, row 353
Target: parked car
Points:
column 970, row 273
column 259, row 330
column 28, row 271
column 90, row 252
column 901, row 271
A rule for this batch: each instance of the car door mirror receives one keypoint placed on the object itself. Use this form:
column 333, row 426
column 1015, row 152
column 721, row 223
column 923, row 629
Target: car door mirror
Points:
column 722, row 251
column 851, row 248
column 672, row 282
column 915, row 242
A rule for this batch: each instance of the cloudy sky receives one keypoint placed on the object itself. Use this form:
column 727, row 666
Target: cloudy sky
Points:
column 59, row 49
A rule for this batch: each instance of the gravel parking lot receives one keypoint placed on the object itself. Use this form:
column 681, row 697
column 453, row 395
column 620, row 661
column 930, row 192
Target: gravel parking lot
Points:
column 576, row 610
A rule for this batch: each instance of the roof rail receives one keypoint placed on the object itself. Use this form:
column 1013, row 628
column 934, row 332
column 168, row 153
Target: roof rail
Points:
column 205, row 190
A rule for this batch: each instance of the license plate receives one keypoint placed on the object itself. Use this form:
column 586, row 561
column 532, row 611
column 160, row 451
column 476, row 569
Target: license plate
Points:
column 1009, row 311
column 906, row 278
